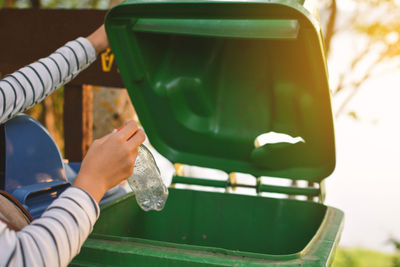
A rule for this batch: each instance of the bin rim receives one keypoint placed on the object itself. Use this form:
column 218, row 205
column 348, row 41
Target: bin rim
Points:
column 319, row 249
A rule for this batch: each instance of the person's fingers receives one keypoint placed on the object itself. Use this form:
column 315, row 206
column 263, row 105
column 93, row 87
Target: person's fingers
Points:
column 128, row 130
column 102, row 139
column 137, row 139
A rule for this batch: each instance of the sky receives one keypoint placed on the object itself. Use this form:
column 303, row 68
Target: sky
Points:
column 366, row 182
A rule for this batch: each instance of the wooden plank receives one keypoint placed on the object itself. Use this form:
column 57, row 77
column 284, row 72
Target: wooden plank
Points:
column 78, row 121
column 29, row 34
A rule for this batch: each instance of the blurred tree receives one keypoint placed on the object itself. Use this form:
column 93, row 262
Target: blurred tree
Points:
column 396, row 256
column 376, row 25
column 331, row 21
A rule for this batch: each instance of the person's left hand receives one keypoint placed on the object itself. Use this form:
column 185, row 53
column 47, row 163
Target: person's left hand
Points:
column 99, row 39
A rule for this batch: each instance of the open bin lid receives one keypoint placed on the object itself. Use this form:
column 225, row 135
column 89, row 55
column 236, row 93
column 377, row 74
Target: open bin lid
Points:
column 208, row 77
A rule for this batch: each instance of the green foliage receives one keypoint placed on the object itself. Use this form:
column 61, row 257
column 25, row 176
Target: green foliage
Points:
column 363, row 258
column 72, row 4
column 396, row 261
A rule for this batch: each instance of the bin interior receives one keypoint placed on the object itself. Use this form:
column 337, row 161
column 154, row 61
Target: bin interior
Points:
column 224, row 82
column 228, row 221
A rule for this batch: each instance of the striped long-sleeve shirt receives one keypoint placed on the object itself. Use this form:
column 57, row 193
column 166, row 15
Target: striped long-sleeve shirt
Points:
column 31, row 84
column 56, row 237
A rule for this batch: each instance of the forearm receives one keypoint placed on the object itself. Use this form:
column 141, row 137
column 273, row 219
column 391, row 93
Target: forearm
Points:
column 99, row 39
column 55, row 238
column 31, row 84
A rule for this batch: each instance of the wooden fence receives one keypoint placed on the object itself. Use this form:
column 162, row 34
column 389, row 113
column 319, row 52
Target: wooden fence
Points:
column 29, row 34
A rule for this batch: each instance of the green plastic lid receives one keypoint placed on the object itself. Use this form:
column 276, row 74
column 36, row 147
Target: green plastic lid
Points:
column 208, row 78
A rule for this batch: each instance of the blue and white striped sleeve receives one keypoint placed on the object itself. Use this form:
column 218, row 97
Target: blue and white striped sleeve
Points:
column 55, row 238
column 31, row 84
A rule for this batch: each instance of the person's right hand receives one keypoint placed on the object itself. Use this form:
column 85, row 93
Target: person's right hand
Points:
column 110, row 160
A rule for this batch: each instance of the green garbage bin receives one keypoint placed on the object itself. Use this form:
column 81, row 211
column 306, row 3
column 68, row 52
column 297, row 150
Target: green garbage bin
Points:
column 208, row 79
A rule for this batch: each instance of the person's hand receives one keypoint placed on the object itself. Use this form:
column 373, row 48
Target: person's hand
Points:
column 110, row 160
column 99, row 39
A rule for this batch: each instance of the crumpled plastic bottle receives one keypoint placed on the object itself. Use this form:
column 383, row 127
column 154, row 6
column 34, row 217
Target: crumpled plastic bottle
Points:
column 146, row 182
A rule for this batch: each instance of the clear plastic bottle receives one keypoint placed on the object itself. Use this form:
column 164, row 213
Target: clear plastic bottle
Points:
column 146, row 182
